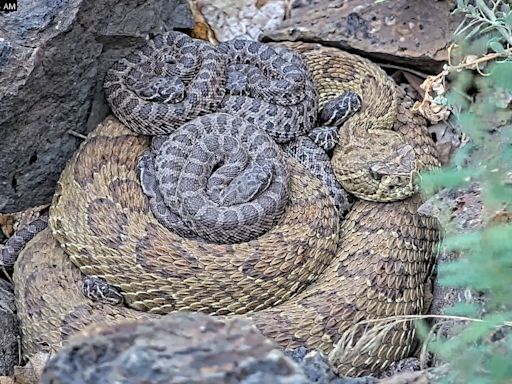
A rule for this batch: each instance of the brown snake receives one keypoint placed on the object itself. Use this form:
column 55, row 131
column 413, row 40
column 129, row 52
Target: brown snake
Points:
column 304, row 282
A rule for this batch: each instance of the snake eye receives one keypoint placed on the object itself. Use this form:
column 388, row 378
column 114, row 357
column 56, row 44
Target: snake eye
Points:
column 375, row 174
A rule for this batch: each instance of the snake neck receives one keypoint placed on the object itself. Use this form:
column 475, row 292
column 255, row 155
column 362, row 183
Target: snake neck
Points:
column 358, row 127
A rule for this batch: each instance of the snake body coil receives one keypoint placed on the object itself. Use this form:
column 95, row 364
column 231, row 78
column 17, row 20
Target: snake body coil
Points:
column 303, row 281
column 172, row 80
column 245, row 190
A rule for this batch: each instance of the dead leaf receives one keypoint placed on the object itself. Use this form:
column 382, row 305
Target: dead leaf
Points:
column 11, row 222
column 202, row 30
column 31, row 373
column 7, row 224
column 471, row 62
column 429, row 108
column 260, row 3
column 431, row 111
column 415, row 82
column 503, row 216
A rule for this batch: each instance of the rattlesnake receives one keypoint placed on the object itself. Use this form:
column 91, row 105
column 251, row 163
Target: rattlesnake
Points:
column 245, row 193
column 299, row 282
column 175, row 78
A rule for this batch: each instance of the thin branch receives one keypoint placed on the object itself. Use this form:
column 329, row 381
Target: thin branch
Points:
column 450, row 68
column 420, row 317
column 405, row 69
column 76, row 134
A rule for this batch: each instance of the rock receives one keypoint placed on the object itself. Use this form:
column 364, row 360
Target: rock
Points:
column 407, row 365
column 412, row 33
column 179, row 348
column 465, row 214
column 245, row 19
column 8, row 330
column 317, row 369
column 427, row 376
column 31, row 372
column 53, row 57
column 448, row 139
column 459, row 211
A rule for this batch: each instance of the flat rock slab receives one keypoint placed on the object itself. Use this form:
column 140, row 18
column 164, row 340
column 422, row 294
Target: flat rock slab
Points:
column 179, row 348
column 412, row 33
column 53, row 57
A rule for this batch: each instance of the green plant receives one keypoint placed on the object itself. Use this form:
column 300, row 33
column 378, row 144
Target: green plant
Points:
column 480, row 98
column 480, row 17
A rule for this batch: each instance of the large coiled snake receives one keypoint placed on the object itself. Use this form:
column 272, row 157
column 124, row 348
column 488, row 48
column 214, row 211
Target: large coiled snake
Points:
column 302, row 279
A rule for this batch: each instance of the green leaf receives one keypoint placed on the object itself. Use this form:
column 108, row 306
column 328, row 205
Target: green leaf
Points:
column 445, row 178
column 474, row 31
column 500, row 75
column 500, row 367
column 496, row 47
column 478, row 330
column 422, row 329
column 462, row 241
column 461, row 274
column 483, row 257
column 463, row 309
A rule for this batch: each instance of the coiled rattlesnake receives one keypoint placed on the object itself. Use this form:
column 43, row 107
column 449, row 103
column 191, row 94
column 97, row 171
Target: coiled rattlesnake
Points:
column 303, row 282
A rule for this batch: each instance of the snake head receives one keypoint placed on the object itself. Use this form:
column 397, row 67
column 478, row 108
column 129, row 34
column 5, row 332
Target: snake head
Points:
column 377, row 167
column 396, row 174
column 153, row 87
column 337, row 110
column 97, row 289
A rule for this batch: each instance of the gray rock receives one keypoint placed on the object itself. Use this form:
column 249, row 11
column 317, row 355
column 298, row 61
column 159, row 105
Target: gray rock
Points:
column 8, row 330
column 411, row 33
column 179, row 348
column 459, row 211
column 317, row 369
column 53, row 57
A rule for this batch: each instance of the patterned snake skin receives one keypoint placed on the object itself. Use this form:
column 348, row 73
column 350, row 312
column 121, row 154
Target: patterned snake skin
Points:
column 286, row 105
column 175, row 78
column 20, row 238
column 370, row 161
column 170, row 81
column 246, row 188
column 304, row 282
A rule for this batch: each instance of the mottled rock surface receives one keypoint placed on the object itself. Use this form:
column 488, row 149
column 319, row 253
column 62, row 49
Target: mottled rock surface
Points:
column 179, row 348
column 317, row 369
column 53, row 57
column 459, row 210
column 412, row 33
column 244, row 19
column 8, row 330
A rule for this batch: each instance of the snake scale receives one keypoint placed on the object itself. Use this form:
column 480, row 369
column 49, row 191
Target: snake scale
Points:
column 303, row 280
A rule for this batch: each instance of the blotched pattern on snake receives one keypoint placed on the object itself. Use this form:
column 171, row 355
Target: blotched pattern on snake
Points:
column 175, row 78
column 298, row 281
column 217, row 178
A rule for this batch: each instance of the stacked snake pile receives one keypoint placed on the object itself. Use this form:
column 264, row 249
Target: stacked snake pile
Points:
column 217, row 188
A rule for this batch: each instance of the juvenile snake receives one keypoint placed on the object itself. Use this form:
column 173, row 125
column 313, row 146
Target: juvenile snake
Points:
column 246, row 188
column 175, row 78
column 304, row 281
